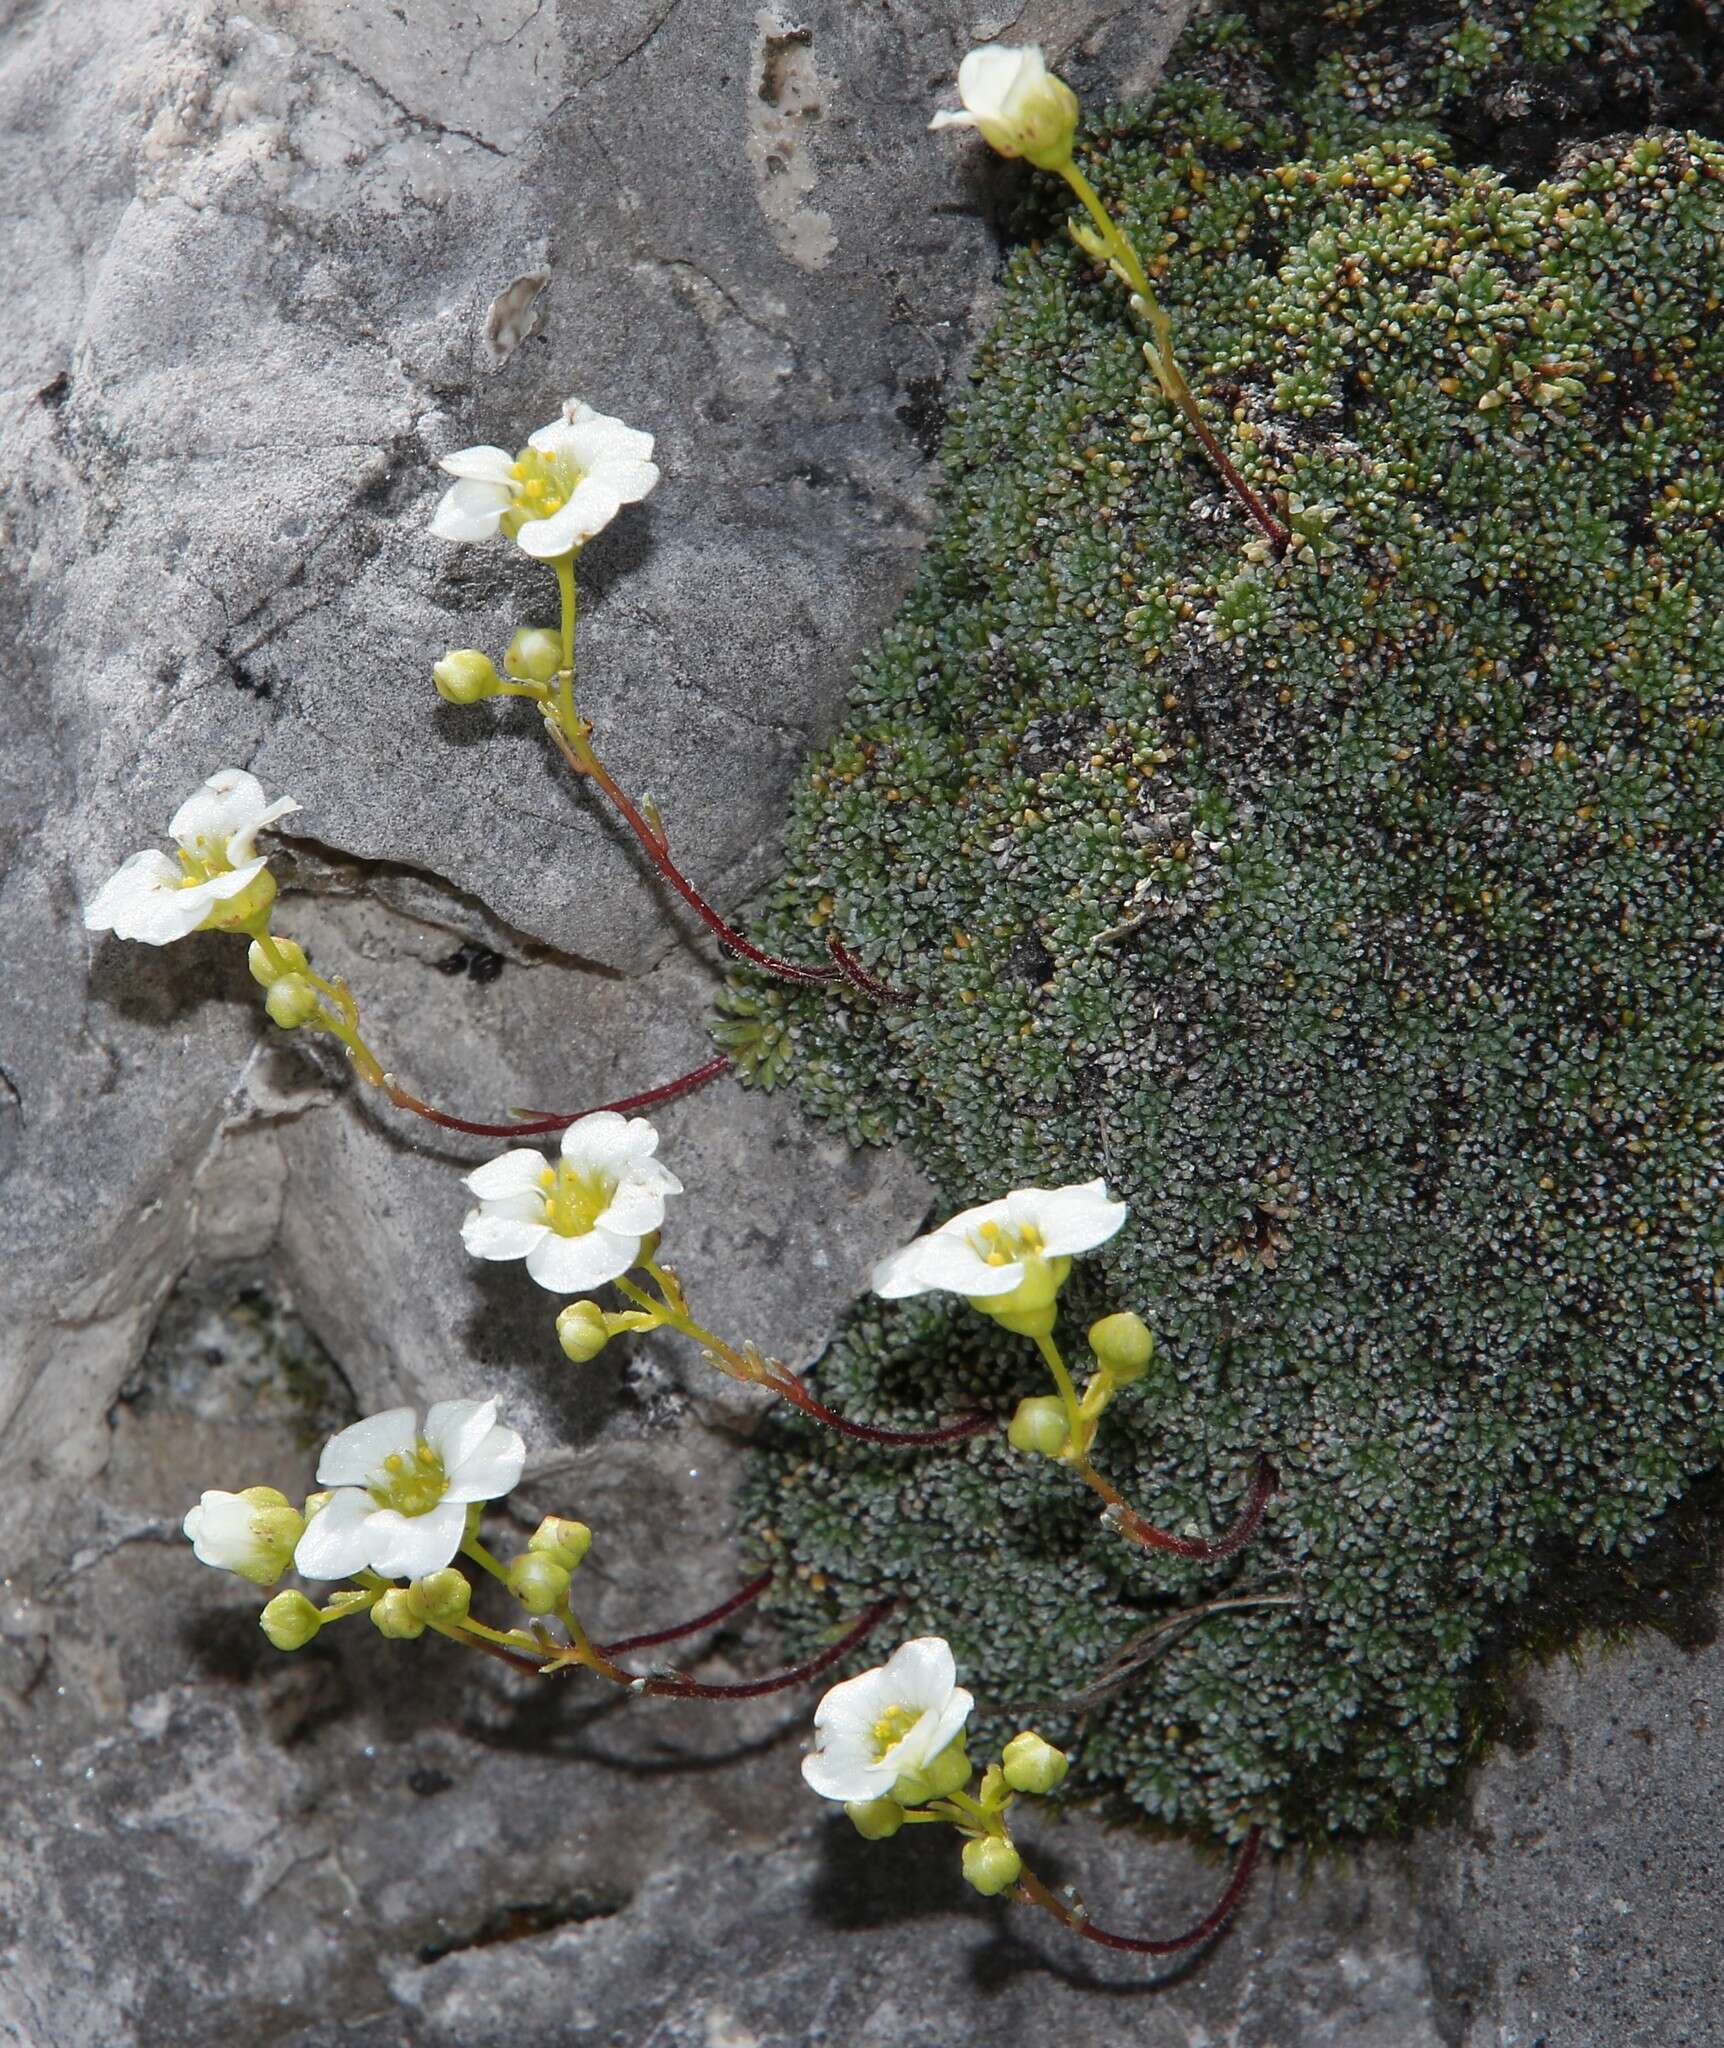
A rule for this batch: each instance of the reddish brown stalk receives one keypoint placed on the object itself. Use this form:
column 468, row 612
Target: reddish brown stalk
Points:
column 674, row 1685
column 752, row 1591
column 654, row 846
column 1207, row 1549
column 859, row 978
column 1254, row 505
column 1032, row 1892
column 949, row 1433
column 534, row 1126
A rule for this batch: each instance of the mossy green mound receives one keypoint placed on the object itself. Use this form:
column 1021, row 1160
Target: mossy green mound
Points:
column 1360, row 915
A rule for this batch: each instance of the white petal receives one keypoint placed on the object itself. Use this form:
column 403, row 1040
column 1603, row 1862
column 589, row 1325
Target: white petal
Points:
column 558, row 438
column 945, row 118
column 220, row 1531
column 546, row 540
column 607, row 1142
column 988, row 77
column 850, row 1709
column 336, row 1542
column 922, row 1672
column 601, row 437
column 351, row 1457
column 243, row 845
column 483, row 464
column 1070, row 1219
column 490, row 1236
column 470, row 511
column 143, row 900
column 455, row 1429
column 229, row 801
column 412, row 1546
column 628, row 481
column 491, row 1470
column 513, row 1173
column 572, row 1265
column 946, row 1726
column 941, row 1263
column 836, row 1774
column 636, row 1207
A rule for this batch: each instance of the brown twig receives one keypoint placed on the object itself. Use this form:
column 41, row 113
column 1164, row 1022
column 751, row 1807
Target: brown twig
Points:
column 1265, row 1483
column 534, row 1126
column 725, row 1608
column 1030, row 1891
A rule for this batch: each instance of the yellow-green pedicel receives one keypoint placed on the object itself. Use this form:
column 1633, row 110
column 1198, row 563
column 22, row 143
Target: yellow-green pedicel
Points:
column 1356, row 913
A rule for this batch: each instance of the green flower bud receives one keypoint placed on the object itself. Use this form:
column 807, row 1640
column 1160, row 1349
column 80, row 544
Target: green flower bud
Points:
column 465, row 675
column 539, row 1582
column 534, row 655
column 563, row 1542
column 582, row 1331
column 875, row 1820
column 394, row 1616
column 291, row 959
column 1031, row 1765
column 291, row 1001
column 991, row 1864
column 941, row 1775
column 290, row 1621
column 1039, row 1426
column 246, row 908
column 1028, row 1311
column 442, row 1596
column 1123, row 1346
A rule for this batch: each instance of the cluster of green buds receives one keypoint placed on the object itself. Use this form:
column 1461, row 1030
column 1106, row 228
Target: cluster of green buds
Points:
column 1122, row 1346
column 467, row 675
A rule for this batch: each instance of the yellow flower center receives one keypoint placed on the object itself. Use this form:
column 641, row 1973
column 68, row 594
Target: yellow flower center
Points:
column 892, row 1727
column 543, row 484
column 1002, row 1246
column 413, row 1482
column 575, row 1200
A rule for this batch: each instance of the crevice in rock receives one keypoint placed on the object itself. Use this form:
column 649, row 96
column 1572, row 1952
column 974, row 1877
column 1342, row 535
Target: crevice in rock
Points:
column 522, row 1920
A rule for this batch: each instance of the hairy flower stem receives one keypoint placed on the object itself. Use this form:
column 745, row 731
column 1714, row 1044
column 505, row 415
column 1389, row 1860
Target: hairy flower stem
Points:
column 753, row 1368
column 725, row 1608
column 1124, row 259
column 528, row 1125
column 1031, row 1891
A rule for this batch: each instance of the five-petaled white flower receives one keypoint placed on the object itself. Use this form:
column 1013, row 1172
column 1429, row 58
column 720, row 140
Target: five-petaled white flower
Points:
column 579, row 1223
column 992, row 1250
column 1021, row 108
column 400, row 1501
column 568, row 483
column 887, row 1724
column 217, row 883
column 251, row 1533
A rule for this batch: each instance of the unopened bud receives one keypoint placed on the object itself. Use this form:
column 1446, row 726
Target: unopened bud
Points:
column 582, row 1331
column 539, row 1582
column 235, row 913
column 1039, row 1426
column 940, row 1776
column 465, row 675
column 1021, row 108
column 534, row 655
column 991, row 1863
column 562, row 1541
column 290, row 1621
column 1123, row 1346
column 875, row 1820
column 283, row 957
column 394, row 1616
column 291, row 1001
column 1029, row 1764
column 441, row 1597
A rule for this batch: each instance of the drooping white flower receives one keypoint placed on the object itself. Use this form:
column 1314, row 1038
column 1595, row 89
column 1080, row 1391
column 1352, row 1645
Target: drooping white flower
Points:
column 579, row 1223
column 569, row 482
column 990, row 1250
column 1021, row 108
column 400, row 1501
column 887, row 1724
column 217, row 883
column 251, row 1533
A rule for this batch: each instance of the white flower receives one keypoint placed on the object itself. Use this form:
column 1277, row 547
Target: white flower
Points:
column 400, row 1501
column 218, row 881
column 887, row 1724
column 993, row 1250
column 252, row 1533
column 580, row 1223
column 1019, row 105
column 568, row 483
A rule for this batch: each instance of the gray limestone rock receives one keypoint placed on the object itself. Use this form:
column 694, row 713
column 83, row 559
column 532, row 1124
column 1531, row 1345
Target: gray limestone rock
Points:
column 264, row 267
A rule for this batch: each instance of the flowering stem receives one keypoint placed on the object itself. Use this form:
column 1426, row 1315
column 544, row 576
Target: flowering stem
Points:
column 675, row 1685
column 1161, row 359
column 725, row 1608
column 1206, row 1549
column 1031, row 1891
column 1068, row 1393
column 533, row 1126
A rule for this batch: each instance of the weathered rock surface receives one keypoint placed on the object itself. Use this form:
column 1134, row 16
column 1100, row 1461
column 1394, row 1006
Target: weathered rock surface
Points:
column 259, row 276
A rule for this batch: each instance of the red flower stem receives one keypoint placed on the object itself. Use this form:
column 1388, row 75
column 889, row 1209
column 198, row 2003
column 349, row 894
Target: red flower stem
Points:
column 794, row 1391
column 752, row 1591
column 1208, row 1550
column 533, row 1126
column 859, row 978
column 674, row 1685
column 1031, row 1891
column 578, row 752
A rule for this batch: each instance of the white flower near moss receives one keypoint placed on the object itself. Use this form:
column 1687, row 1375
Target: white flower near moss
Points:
column 578, row 1223
column 399, row 1501
column 989, row 1250
column 569, row 482
column 889, row 1724
column 218, row 882
column 1017, row 103
column 251, row 1533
